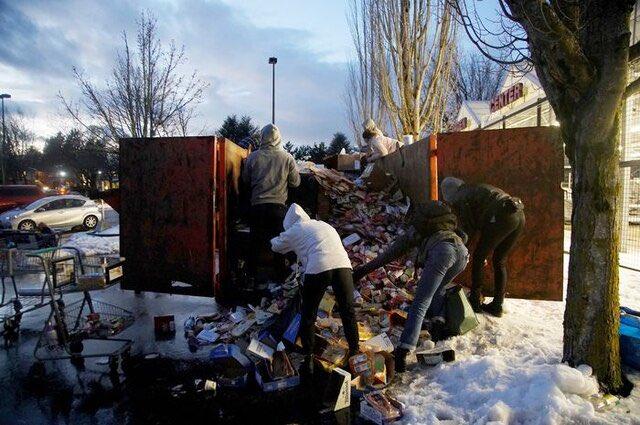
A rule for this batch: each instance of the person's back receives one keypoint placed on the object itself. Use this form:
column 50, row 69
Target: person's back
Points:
column 316, row 243
column 270, row 171
column 475, row 204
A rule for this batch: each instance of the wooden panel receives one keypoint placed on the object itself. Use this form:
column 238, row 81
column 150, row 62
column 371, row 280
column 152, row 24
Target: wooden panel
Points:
column 527, row 163
column 167, row 218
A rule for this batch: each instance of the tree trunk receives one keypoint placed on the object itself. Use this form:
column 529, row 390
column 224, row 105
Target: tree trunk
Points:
column 591, row 318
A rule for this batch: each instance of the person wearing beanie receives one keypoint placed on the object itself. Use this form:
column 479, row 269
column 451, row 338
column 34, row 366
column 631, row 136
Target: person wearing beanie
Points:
column 499, row 219
column 432, row 228
column 377, row 144
column 269, row 172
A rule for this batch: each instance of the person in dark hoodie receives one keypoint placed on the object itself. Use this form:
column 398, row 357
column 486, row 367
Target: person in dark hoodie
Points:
column 269, row 172
column 432, row 228
column 499, row 218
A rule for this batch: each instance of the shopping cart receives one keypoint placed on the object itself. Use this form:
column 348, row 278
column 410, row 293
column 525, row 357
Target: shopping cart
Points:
column 19, row 271
column 86, row 327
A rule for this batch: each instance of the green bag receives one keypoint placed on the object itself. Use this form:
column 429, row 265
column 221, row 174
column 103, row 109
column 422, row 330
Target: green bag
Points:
column 460, row 317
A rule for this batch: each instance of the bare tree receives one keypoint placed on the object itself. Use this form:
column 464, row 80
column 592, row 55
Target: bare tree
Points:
column 477, row 78
column 414, row 73
column 362, row 98
column 145, row 96
column 581, row 53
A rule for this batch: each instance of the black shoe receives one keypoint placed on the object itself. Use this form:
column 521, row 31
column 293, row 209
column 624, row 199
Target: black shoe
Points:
column 438, row 330
column 475, row 299
column 400, row 358
column 306, row 370
column 493, row 308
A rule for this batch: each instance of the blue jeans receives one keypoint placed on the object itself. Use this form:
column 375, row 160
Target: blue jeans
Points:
column 444, row 262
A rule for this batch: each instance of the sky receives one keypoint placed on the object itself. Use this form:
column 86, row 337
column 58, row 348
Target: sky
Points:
column 228, row 42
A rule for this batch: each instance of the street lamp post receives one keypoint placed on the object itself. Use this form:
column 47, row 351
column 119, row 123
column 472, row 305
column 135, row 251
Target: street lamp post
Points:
column 4, row 135
column 273, row 61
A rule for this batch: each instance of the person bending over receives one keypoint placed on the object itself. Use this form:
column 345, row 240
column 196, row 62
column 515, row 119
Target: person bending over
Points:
column 324, row 262
column 499, row 219
column 432, row 228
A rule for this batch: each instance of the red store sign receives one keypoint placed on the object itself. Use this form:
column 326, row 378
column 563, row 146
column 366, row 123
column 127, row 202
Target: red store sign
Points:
column 511, row 94
column 460, row 125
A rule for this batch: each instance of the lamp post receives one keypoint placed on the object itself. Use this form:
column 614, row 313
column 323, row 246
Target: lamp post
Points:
column 4, row 134
column 273, row 61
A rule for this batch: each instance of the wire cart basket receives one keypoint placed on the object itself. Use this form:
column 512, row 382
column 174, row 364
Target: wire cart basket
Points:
column 28, row 266
column 86, row 327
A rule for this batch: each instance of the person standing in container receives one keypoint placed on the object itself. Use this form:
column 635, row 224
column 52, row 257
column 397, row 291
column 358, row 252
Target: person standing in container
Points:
column 499, row 219
column 324, row 262
column 377, row 144
column 269, row 172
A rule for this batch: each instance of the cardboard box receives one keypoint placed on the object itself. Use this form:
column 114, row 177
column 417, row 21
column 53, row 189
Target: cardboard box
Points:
column 164, row 324
column 380, row 409
column 224, row 354
column 344, row 162
column 268, row 385
column 92, row 282
column 337, row 393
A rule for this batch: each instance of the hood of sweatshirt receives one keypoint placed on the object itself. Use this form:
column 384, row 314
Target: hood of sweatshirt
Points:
column 270, row 137
column 449, row 187
column 295, row 215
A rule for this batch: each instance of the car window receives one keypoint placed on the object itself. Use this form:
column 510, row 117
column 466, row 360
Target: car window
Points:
column 75, row 203
column 55, row 205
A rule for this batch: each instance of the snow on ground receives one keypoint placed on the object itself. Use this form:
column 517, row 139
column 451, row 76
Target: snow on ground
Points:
column 90, row 244
column 508, row 370
column 106, row 240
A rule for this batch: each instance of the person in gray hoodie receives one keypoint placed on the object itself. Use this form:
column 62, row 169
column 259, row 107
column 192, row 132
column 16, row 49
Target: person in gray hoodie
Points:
column 269, row 172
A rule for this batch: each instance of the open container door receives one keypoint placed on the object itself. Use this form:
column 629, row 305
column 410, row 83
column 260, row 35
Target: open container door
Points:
column 172, row 220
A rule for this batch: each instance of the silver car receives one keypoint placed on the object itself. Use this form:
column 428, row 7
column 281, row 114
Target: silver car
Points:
column 57, row 212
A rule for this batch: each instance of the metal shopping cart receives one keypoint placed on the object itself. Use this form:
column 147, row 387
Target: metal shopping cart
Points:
column 85, row 327
column 18, row 273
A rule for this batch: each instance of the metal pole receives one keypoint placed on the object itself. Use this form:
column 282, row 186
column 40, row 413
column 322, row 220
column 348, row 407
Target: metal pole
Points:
column 273, row 95
column 4, row 138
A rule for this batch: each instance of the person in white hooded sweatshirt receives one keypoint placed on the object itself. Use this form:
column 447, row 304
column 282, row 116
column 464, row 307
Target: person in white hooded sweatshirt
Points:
column 324, row 262
column 377, row 144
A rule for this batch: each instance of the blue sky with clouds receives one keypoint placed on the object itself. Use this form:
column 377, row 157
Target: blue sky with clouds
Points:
column 226, row 41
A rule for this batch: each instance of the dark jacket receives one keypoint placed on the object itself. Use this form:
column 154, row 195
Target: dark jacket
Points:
column 476, row 204
column 428, row 224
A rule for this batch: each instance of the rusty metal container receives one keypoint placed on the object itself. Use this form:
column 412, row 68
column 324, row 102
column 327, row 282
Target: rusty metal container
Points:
column 174, row 213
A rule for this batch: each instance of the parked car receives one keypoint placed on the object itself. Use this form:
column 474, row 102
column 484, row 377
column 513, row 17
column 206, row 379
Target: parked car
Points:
column 57, row 212
column 15, row 195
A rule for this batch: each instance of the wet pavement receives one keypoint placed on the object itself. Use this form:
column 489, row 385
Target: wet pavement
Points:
column 141, row 391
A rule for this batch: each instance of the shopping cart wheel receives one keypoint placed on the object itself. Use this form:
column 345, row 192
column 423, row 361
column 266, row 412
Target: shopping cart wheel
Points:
column 17, row 305
column 37, row 370
column 114, row 363
column 76, row 347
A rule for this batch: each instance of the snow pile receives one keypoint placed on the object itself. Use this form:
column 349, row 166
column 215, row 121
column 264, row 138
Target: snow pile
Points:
column 508, row 371
column 90, row 244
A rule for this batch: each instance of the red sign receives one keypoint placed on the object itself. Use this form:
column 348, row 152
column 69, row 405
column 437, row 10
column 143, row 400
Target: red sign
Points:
column 506, row 97
column 460, row 125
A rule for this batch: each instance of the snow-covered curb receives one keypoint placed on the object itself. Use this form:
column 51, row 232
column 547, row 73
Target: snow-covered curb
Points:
column 90, row 244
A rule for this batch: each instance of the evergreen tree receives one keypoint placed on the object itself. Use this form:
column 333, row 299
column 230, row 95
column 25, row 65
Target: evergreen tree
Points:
column 338, row 143
column 241, row 131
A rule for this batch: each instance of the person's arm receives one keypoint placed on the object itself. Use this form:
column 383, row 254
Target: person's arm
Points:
column 378, row 149
column 246, row 173
column 294, row 175
column 400, row 246
column 282, row 243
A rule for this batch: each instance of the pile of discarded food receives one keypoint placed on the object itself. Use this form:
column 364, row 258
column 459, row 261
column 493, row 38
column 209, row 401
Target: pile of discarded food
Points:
column 261, row 340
